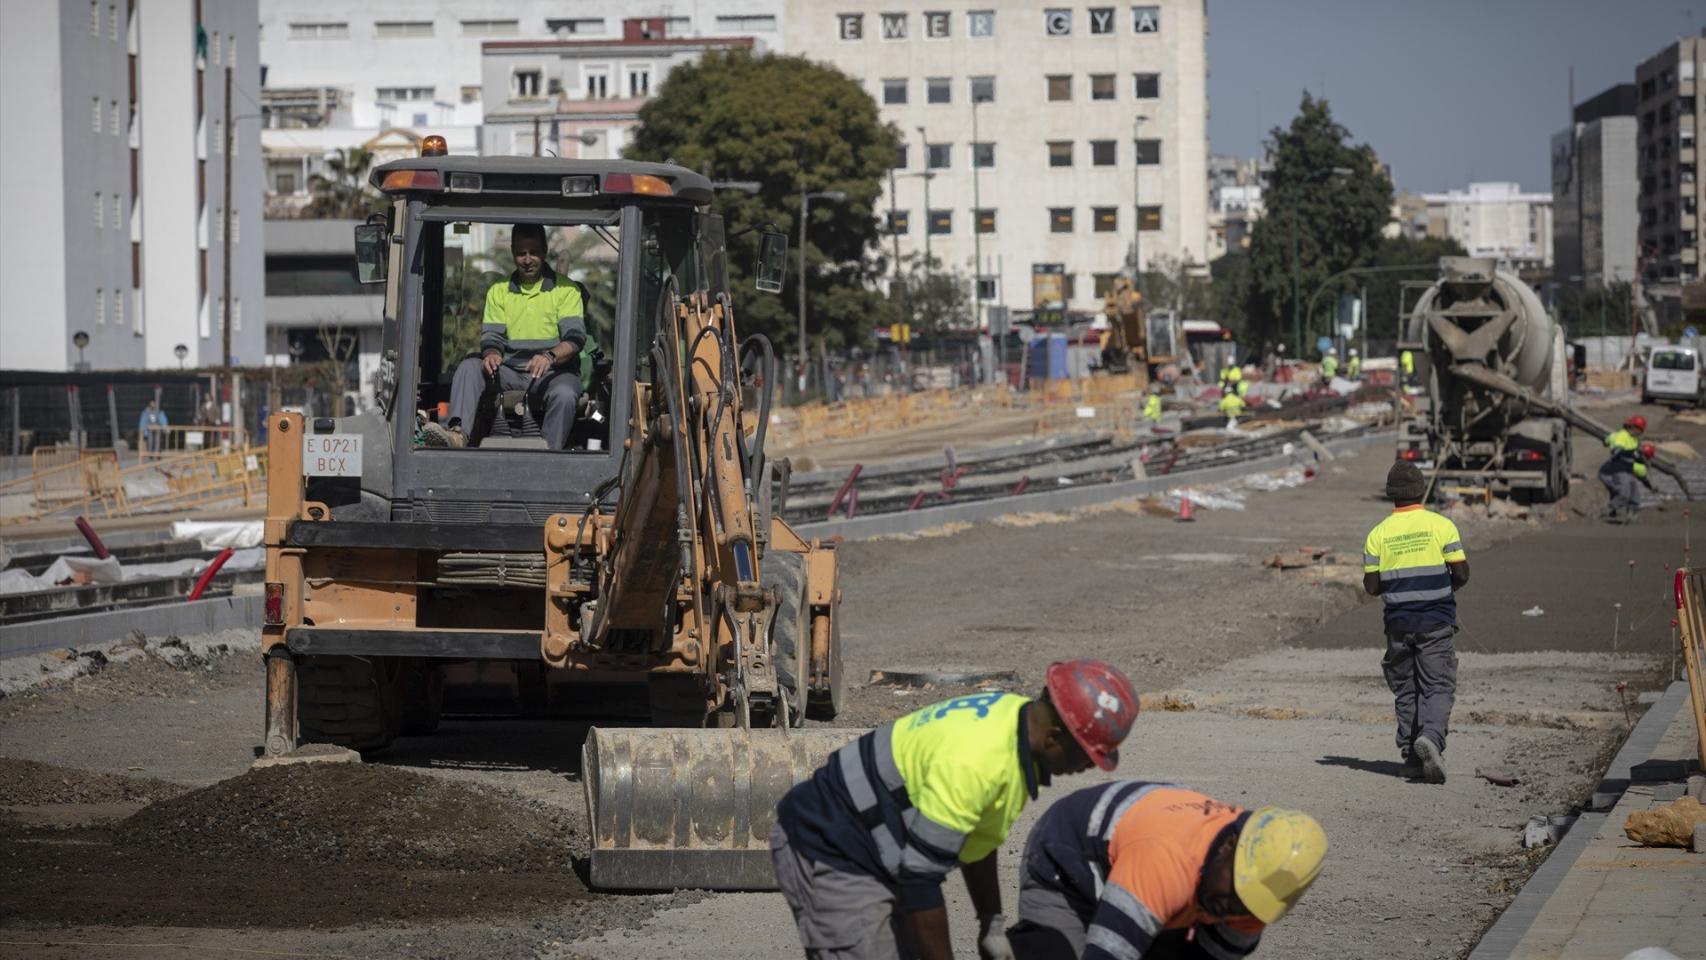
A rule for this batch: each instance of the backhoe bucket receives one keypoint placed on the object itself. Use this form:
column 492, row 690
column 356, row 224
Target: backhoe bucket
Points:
column 687, row 808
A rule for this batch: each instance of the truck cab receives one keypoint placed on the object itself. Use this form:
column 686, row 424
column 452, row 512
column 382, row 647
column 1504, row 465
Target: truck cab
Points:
column 1673, row 375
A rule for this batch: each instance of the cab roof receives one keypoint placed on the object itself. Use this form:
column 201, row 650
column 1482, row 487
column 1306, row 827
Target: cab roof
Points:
column 686, row 184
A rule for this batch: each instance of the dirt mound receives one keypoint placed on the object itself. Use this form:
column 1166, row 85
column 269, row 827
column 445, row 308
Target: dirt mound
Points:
column 29, row 783
column 356, row 814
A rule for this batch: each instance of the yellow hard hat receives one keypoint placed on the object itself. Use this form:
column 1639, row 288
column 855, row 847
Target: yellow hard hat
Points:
column 1279, row 855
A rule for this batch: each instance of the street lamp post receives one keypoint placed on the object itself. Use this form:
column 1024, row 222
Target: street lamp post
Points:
column 1136, row 204
column 976, row 223
column 925, row 140
column 805, row 208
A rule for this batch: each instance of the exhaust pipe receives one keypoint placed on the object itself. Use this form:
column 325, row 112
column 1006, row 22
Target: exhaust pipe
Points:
column 687, row 808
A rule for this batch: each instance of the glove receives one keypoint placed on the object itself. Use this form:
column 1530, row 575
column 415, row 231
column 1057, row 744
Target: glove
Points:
column 992, row 938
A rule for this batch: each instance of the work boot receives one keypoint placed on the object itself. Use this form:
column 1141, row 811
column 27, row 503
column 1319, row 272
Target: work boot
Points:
column 1433, row 765
column 1412, row 769
column 436, row 434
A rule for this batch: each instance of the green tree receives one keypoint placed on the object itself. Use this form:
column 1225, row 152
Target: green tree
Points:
column 1588, row 313
column 342, row 192
column 1229, row 294
column 1170, row 283
column 930, row 297
column 1336, row 198
column 788, row 124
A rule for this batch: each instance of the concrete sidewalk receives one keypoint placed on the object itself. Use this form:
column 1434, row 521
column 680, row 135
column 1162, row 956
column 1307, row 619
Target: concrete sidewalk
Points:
column 1601, row 896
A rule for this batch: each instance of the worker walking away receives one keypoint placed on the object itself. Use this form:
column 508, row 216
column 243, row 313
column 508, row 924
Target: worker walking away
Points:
column 1353, row 366
column 861, row 847
column 1133, row 870
column 1414, row 560
column 1626, row 466
column 1152, row 406
column 1232, row 407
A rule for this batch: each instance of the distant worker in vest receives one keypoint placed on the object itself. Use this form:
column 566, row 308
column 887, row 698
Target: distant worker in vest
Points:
column 1626, row 466
column 1414, row 561
column 1131, row 870
column 1231, row 407
column 1407, row 366
column 862, row 847
column 531, row 333
column 1330, row 364
column 1152, row 406
column 1232, row 380
column 1353, row 366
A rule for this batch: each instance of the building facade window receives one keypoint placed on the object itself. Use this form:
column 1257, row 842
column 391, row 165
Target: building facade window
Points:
column 1145, row 19
column 936, row 24
column 982, row 89
column 219, row 136
column 1146, row 86
column 525, row 84
column 1148, row 152
column 118, row 214
column 1059, row 86
column 236, row 226
column 1101, row 86
column 1057, row 21
column 1060, row 153
column 95, row 114
column 938, row 90
column 94, row 18
column 851, row 26
column 893, row 26
column 640, row 82
column 594, row 26
column 900, row 157
column 491, row 28
column 1102, row 153
column 112, row 22
column 320, row 31
column 231, row 51
column 980, row 24
column 1104, row 283
column 1101, row 20
column 988, row 288
column 1059, row 219
column 941, row 155
column 983, row 155
column 894, row 92
column 596, row 83
column 1149, row 218
column 118, row 308
column 112, row 114
column 213, row 48
column 402, row 29
column 1105, row 219
column 984, row 219
column 100, row 211
column 742, row 23
column 404, row 94
column 100, row 307
column 899, row 222
column 236, row 313
column 941, row 222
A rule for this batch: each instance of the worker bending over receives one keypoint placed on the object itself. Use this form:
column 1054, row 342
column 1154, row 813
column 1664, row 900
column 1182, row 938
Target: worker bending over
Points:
column 1130, row 870
column 1414, row 560
column 861, row 847
column 1626, row 466
column 1232, row 407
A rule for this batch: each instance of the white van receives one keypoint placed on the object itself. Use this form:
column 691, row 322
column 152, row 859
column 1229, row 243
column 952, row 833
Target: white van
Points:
column 1673, row 374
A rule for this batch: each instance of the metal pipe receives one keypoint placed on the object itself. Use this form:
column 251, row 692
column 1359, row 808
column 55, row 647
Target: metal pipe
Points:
column 208, row 574
column 93, row 539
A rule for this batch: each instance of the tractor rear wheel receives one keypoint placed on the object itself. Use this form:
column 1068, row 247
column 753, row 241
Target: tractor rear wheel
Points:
column 353, row 702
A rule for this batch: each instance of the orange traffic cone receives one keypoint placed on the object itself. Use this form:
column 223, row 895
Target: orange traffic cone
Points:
column 1185, row 506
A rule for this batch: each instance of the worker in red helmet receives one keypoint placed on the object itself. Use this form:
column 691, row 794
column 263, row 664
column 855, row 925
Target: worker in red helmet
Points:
column 1626, row 466
column 862, row 846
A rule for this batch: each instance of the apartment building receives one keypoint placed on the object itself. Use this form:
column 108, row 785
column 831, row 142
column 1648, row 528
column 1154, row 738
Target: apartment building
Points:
column 1667, row 163
column 1495, row 220
column 1039, row 140
column 117, row 225
column 1594, row 192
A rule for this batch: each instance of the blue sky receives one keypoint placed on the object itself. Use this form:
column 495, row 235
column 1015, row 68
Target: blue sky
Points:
column 1446, row 91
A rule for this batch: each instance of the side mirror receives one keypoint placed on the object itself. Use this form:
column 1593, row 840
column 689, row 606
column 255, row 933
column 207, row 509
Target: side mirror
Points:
column 372, row 252
column 772, row 261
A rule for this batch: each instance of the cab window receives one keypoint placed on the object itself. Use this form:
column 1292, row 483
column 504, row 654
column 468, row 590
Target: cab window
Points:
column 1673, row 360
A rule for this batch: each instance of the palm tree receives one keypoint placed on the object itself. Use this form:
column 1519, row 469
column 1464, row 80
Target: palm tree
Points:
column 342, row 193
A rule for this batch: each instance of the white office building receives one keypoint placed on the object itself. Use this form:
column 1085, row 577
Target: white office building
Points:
column 113, row 122
column 1052, row 170
column 1495, row 220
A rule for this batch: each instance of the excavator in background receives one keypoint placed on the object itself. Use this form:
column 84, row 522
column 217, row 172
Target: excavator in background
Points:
column 642, row 576
column 1125, row 344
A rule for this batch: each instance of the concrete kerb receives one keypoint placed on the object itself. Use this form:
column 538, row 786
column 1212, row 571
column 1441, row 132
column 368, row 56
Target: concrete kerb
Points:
column 1065, row 498
column 1506, row 934
column 103, row 629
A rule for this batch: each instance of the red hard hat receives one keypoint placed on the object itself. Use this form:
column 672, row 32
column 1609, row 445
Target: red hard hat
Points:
column 1638, row 422
column 1096, row 703
column 1648, row 450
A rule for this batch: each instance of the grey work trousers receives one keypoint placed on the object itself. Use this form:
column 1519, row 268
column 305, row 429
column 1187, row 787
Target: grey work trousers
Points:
column 840, row 915
column 1421, row 671
column 558, row 391
column 1053, row 925
column 1625, row 497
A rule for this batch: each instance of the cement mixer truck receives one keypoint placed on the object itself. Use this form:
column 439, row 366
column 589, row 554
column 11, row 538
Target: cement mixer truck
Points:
column 1494, row 411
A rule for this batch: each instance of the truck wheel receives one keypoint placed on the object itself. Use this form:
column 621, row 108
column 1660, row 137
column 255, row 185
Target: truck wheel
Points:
column 349, row 701
column 423, row 697
column 790, row 624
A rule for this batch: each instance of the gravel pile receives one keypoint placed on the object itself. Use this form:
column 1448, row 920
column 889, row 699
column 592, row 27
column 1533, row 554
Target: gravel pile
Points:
column 28, row 783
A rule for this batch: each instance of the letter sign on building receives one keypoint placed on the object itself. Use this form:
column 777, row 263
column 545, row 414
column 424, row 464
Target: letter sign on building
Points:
column 980, row 23
column 1101, row 19
column 936, row 25
column 1146, row 19
column 852, row 26
column 1058, row 21
column 894, row 26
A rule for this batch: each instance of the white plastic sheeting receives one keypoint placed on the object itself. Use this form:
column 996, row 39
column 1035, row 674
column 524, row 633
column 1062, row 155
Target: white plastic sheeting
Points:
column 111, row 571
column 219, row 534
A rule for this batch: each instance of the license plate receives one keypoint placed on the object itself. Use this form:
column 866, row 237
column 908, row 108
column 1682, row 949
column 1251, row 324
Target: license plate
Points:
column 331, row 455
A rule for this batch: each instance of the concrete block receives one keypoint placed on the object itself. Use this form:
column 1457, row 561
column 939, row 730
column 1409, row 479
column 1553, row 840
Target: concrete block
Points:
column 1666, row 792
column 1697, row 787
column 1699, row 838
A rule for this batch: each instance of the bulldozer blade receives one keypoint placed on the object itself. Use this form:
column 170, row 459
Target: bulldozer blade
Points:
column 686, row 808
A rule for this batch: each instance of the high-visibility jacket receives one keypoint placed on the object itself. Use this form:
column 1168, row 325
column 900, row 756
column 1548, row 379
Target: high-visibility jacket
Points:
column 909, row 801
column 1353, row 368
column 1231, row 404
column 1330, row 366
column 521, row 320
column 1410, row 550
column 1625, row 455
column 1128, row 856
column 1407, row 362
column 1152, row 407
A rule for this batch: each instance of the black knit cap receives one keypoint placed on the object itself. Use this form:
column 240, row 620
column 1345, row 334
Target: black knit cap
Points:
column 1405, row 481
